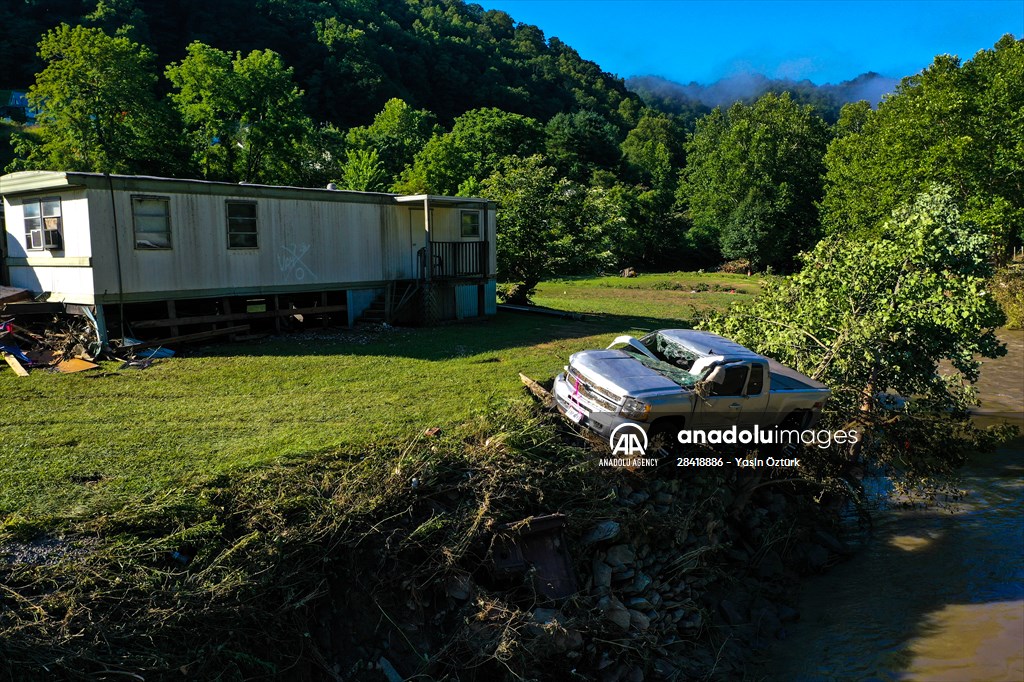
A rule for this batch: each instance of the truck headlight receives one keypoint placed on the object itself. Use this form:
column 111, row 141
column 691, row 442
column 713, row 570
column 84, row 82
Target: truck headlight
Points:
column 635, row 409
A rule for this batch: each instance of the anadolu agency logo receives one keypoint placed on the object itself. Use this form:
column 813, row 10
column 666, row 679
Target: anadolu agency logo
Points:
column 629, row 445
column 628, row 440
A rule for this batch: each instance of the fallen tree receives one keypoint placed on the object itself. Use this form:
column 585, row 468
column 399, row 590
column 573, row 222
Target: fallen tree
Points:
column 874, row 319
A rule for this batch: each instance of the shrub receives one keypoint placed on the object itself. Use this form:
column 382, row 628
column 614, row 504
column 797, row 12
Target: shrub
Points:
column 1008, row 289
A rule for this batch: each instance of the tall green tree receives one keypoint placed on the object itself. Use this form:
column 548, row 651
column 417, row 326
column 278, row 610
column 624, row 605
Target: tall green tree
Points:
column 653, row 235
column 961, row 124
column 547, row 225
column 397, row 133
column 97, row 106
column 363, row 171
column 478, row 141
column 111, row 15
column 581, row 142
column 243, row 115
column 753, row 177
column 655, row 150
column 869, row 317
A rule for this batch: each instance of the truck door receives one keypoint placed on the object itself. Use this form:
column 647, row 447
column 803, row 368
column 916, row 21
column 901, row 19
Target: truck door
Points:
column 724, row 405
column 755, row 396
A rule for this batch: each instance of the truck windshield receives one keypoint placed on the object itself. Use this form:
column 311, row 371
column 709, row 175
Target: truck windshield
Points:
column 667, row 350
column 673, row 360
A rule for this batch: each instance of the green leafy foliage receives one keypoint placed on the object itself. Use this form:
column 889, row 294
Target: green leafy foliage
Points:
column 654, row 150
column 752, row 178
column 580, row 143
column 477, row 143
column 958, row 124
column 363, row 171
column 97, row 104
column 1008, row 288
column 651, row 233
column 242, row 115
column 397, row 133
column 352, row 57
column 879, row 316
column 111, row 15
column 546, row 225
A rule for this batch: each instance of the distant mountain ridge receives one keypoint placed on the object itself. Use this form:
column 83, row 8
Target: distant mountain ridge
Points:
column 695, row 98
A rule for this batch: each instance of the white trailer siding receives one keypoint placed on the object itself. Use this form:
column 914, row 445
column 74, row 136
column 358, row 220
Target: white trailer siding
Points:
column 65, row 273
column 300, row 244
column 306, row 240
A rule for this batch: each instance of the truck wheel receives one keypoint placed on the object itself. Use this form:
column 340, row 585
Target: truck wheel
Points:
column 663, row 435
column 795, row 421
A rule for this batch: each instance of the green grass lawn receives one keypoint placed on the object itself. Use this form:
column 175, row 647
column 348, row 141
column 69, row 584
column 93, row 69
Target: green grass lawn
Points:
column 671, row 296
column 80, row 444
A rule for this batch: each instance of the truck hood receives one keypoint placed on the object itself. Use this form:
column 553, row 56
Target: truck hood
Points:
column 617, row 371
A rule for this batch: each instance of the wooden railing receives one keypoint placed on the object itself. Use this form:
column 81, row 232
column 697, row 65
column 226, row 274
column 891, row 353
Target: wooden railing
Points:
column 456, row 259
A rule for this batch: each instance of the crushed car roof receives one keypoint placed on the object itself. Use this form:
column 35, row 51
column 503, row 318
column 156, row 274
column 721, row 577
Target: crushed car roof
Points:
column 707, row 344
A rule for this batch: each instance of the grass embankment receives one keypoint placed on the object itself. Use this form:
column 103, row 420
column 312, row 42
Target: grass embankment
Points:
column 266, row 509
column 78, row 445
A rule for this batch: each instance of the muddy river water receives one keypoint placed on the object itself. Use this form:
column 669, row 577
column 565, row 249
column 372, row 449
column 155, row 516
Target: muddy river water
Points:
column 934, row 594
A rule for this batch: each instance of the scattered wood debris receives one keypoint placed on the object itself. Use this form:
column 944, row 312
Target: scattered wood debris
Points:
column 75, row 365
column 538, row 391
column 188, row 338
column 15, row 365
column 43, row 335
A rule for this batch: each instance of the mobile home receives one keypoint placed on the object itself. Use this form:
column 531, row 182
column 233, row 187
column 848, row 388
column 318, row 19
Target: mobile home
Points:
column 147, row 254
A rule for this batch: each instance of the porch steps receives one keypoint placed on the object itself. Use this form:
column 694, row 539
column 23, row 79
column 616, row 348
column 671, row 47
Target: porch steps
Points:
column 386, row 306
column 376, row 313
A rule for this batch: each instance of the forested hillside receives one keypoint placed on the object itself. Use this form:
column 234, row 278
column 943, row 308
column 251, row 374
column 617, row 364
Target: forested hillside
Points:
column 444, row 97
column 350, row 56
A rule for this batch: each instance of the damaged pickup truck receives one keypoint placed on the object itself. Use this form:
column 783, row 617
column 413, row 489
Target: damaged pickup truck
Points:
column 682, row 378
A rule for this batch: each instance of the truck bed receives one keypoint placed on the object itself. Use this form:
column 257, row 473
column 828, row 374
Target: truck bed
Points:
column 788, row 379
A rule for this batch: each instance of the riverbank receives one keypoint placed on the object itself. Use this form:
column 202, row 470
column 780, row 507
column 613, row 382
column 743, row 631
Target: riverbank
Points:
column 413, row 557
column 395, row 563
column 937, row 593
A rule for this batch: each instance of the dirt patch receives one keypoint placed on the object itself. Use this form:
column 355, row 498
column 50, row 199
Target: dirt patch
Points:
column 43, row 551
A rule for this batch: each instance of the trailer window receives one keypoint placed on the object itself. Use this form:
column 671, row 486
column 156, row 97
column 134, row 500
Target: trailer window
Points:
column 44, row 224
column 470, row 224
column 242, row 232
column 151, row 217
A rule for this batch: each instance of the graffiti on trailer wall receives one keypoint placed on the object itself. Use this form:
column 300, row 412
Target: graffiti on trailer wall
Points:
column 290, row 262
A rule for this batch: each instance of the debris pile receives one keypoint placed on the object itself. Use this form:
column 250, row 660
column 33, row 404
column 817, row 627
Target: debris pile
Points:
column 66, row 343
column 496, row 551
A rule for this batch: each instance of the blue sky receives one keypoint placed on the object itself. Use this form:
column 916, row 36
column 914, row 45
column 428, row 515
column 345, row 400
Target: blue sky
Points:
column 823, row 41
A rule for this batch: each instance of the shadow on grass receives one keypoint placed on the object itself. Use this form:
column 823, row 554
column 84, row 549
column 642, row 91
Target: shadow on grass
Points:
column 504, row 331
